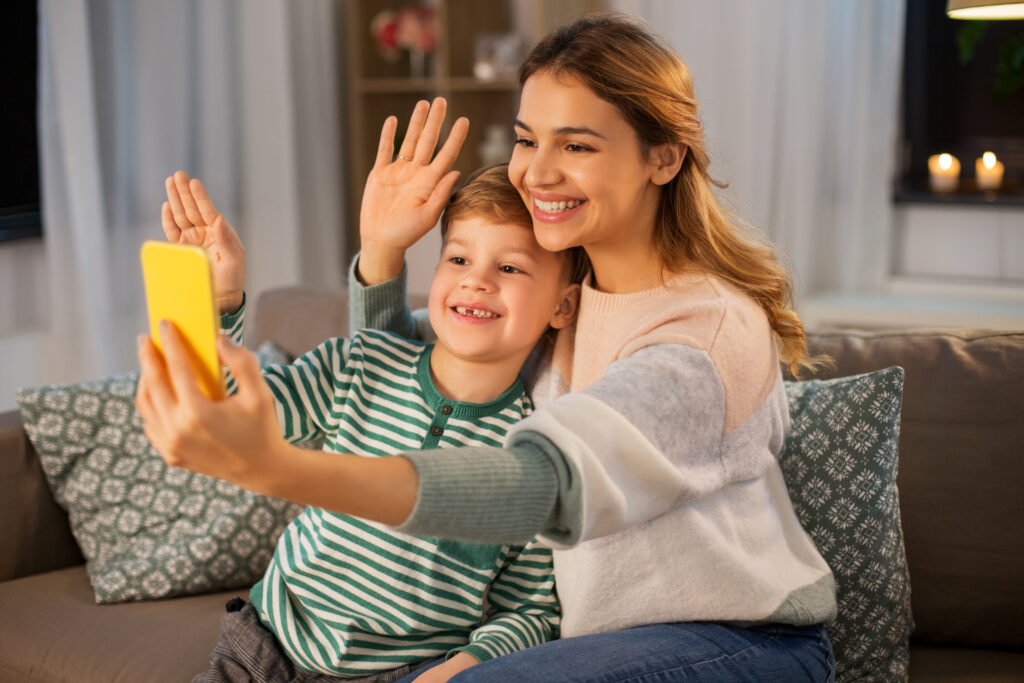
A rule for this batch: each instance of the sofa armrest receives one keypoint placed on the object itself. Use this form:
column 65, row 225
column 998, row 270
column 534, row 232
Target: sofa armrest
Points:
column 35, row 536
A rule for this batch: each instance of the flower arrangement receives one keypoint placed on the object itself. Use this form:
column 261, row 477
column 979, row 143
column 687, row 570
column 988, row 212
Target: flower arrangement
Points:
column 412, row 28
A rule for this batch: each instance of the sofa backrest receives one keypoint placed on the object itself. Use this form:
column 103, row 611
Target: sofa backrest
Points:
column 961, row 473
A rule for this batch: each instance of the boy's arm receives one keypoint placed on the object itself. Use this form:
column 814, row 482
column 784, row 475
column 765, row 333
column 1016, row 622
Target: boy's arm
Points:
column 295, row 386
column 524, row 609
column 189, row 216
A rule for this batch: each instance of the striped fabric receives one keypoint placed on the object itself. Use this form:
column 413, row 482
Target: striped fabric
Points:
column 349, row 597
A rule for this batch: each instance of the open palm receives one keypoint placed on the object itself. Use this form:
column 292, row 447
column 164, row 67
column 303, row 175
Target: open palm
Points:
column 404, row 197
column 190, row 217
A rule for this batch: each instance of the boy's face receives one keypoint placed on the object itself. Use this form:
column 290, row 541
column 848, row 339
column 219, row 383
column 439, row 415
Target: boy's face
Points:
column 495, row 291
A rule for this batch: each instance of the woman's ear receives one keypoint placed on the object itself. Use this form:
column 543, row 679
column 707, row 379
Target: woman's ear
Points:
column 568, row 307
column 667, row 159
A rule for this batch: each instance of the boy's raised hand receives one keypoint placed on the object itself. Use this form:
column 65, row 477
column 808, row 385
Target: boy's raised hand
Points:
column 405, row 194
column 190, row 217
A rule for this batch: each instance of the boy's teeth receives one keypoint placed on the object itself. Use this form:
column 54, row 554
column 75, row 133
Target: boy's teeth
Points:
column 557, row 207
column 473, row 312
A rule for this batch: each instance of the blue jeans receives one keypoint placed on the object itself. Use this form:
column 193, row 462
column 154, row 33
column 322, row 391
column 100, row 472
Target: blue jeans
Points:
column 666, row 653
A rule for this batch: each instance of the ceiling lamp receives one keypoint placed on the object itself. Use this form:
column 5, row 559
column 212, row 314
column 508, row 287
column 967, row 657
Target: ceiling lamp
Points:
column 985, row 9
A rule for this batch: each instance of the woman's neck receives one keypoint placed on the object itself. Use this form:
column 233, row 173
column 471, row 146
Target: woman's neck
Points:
column 627, row 268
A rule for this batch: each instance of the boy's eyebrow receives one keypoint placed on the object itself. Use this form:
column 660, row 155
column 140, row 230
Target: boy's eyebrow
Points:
column 512, row 250
column 564, row 130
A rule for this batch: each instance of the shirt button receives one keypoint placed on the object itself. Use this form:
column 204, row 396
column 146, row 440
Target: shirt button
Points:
column 446, row 410
column 436, row 431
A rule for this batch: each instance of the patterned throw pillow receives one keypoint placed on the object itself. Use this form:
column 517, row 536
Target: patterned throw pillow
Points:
column 147, row 530
column 839, row 462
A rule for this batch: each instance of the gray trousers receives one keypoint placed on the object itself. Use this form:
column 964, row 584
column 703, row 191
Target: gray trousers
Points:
column 248, row 653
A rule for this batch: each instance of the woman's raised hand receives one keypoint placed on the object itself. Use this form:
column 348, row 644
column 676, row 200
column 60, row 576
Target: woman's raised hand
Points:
column 190, row 217
column 405, row 194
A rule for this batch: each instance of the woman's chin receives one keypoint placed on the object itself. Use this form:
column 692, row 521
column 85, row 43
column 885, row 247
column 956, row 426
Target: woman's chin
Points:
column 553, row 239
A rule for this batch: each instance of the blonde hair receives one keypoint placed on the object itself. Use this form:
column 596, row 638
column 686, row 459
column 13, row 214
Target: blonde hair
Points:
column 489, row 194
column 626, row 65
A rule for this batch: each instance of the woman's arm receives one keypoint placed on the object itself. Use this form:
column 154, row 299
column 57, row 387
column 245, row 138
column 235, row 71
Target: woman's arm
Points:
column 402, row 201
column 237, row 438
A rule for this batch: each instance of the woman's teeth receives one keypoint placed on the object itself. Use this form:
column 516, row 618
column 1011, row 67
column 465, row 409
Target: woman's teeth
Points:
column 557, row 207
column 462, row 310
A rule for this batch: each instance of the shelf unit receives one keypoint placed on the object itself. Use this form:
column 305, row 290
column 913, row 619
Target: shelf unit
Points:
column 377, row 88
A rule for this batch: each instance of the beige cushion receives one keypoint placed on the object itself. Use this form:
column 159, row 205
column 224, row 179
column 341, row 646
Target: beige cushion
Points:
column 53, row 630
column 961, row 470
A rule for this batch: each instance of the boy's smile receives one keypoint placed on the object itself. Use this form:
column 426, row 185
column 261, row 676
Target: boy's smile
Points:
column 495, row 292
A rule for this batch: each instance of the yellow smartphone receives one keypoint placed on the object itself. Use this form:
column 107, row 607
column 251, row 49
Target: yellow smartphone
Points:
column 179, row 288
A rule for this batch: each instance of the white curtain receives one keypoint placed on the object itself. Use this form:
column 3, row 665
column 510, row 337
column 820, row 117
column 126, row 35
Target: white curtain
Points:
column 241, row 93
column 800, row 102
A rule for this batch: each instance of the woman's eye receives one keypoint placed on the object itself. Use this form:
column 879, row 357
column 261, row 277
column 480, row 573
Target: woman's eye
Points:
column 572, row 147
column 509, row 269
column 523, row 142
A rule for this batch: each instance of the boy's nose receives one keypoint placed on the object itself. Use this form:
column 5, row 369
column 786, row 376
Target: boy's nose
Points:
column 477, row 280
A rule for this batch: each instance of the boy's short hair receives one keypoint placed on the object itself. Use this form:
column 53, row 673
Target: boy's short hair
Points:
column 488, row 193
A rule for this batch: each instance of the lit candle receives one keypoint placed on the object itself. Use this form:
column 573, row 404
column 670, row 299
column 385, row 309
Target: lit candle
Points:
column 989, row 171
column 943, row 172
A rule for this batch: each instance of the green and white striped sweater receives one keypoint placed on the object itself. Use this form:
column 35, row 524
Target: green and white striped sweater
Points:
column 349, row 597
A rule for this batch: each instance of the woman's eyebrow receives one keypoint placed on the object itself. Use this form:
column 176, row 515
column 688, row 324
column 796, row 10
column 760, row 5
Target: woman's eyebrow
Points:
column 564, row 130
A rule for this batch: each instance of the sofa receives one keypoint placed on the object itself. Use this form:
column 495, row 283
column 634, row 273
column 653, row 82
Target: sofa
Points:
column 961, row 500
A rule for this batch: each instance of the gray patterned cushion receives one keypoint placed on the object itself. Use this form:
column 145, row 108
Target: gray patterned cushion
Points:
column 147, row 530
column 840, row 462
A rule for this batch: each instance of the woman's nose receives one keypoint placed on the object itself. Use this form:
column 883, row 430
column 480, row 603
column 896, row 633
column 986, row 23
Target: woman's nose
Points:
column 543, row 169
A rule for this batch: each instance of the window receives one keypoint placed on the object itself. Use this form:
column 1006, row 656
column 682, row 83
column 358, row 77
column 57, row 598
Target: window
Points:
column 963, row 94
column 19, row 174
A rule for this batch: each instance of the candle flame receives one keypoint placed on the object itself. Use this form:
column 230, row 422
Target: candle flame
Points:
column 945, row 161
column 988, row 159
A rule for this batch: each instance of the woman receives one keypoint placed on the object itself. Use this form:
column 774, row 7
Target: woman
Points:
column 651, row 463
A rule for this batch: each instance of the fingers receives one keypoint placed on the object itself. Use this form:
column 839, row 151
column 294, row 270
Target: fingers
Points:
column 439, row 197
column 242, row 364
column 181, row 181
column 180, row 365
column 386, row 146
column 412, row 133
column 155, row 396
column 226, row 237
column 431, row 130
column 177, row 208
column 204, row 204
column 445, row 159
column 172, row 231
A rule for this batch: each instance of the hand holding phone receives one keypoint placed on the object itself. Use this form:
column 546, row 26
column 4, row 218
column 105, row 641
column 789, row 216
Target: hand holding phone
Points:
column 180, row 288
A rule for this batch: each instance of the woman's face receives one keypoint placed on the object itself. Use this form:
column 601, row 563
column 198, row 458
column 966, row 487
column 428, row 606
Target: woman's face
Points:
column 581, row 171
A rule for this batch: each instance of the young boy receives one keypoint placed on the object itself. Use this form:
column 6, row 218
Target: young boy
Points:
column 350, row 599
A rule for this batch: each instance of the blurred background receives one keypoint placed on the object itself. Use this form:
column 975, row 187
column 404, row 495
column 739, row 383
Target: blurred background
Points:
column 828, row 119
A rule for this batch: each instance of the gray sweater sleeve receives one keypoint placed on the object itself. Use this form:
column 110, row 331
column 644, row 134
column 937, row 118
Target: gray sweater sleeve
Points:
column 539, row 493
column 384, row 306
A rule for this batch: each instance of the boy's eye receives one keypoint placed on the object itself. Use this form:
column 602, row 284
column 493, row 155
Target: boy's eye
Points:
column 458, row 260
column 509, row 269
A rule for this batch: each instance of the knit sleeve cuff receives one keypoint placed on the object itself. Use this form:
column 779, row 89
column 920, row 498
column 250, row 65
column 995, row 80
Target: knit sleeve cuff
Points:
column 481, row 653
column 483, row 494
column 380, row 307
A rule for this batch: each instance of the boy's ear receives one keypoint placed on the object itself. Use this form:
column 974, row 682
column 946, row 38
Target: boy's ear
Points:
column 568, row 307
column 667, row 159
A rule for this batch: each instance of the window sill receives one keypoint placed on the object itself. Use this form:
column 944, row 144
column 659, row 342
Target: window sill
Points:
column 917, row 303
